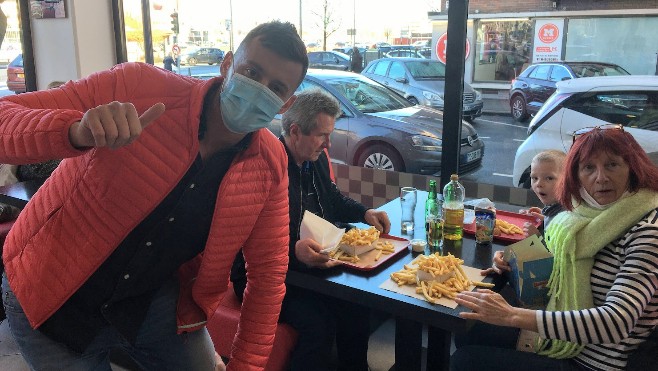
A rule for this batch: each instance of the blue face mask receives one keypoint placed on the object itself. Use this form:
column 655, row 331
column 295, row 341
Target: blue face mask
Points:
column 247, row 105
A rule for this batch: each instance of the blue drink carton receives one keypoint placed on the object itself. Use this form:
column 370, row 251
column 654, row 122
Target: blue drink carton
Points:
column 531, row 265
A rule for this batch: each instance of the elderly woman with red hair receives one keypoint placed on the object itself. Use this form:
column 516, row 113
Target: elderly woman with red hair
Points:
column 604, row 284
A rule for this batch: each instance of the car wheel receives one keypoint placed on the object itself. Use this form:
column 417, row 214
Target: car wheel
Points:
column 211, row 63
column 413, row 100
column 192, row 61
column 519, row 111
column 381, row 157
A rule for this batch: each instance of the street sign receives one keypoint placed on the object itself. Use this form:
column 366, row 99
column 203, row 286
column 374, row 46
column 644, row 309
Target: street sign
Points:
column 442, row 45
column 351, row 31
column 175, row 50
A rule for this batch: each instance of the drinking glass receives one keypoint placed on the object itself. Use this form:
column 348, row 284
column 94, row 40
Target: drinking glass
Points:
column 408, row 196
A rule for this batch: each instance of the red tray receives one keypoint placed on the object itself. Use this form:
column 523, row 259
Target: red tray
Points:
column 513, row 218
column 367, row 260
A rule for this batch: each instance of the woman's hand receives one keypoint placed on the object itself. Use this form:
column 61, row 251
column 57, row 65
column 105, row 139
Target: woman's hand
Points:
column 499, row 265
column 307, row 251
column 488, row 306
column 112, row 125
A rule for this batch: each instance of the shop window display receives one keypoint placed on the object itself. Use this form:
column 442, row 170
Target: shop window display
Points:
column 503, row 49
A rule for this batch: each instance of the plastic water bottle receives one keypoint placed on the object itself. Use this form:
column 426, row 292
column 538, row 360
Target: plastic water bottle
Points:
column 453, row 209
column 433, row 219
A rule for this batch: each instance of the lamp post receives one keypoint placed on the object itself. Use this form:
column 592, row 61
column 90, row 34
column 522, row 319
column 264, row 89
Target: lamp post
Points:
column 230, row 6
column 353, row 22
column 300, row 20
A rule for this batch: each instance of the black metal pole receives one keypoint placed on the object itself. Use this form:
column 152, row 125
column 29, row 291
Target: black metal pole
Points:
column 119, row 32
column 28, row 49
column 148, row 38
column 454, row 87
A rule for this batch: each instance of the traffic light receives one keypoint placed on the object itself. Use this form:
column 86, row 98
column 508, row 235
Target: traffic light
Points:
column 174, row 22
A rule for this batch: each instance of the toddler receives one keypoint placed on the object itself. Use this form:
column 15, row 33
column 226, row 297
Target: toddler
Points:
column 545, row 169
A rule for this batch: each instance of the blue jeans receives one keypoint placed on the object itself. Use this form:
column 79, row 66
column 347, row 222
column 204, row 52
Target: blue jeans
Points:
column 493, row 348
column 157, row 347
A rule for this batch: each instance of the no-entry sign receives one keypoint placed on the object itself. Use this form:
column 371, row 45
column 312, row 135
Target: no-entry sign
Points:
column 442, row 46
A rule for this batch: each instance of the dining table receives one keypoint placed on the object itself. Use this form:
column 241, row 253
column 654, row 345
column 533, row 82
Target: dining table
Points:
column 18, row 194
column 411, row 314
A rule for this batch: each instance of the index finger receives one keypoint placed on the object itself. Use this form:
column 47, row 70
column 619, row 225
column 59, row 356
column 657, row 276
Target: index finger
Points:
column 386, row 223
column 152, row 114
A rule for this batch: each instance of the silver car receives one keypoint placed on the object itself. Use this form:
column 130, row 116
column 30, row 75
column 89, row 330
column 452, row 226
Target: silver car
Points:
column 421, row 81
column 380, row 129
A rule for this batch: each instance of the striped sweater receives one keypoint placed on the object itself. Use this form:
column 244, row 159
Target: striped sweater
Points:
column 624, row 283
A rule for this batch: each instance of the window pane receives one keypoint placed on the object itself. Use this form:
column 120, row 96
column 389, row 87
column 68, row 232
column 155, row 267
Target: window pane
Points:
column 132, row 12
column 381, row 68
column 11, row 51
column 426, row 69
column 617, row 107
column 502, row 49
column 396, row 71
column 558, row 73
column 541, row 72
column 634, row 47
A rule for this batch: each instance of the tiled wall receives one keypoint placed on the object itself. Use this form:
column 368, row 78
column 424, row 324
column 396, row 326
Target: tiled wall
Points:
column 374, row 188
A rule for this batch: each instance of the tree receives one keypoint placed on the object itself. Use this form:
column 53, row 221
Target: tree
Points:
column 387, row 33
column 328, row 20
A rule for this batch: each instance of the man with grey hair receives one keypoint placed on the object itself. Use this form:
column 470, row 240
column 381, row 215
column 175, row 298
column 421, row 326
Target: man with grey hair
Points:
column 318, row 319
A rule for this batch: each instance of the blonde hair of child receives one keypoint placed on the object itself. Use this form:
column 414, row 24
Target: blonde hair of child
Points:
column 551, row 156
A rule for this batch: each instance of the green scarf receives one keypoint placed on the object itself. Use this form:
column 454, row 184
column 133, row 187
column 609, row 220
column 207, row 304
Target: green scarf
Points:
column 574, row 238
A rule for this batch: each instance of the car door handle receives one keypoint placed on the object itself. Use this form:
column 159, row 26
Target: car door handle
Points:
column 385, row 82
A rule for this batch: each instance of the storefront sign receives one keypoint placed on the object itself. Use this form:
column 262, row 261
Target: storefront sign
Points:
column 442, row 46
column 548, row 40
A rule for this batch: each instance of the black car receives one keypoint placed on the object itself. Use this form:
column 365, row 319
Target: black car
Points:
column 330, row 60
column 533, row 86
column 203, row 55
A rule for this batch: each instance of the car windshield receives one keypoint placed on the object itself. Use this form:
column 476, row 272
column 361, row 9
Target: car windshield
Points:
column 426, row 69
column 590, row 70
column 366, row 95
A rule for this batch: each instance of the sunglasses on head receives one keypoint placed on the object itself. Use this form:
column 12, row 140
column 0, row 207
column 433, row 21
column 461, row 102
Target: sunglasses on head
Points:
column 580, row 132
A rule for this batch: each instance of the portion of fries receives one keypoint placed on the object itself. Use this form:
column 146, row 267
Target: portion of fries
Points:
column 506, row 227
column 436, row 265
column 358, row 237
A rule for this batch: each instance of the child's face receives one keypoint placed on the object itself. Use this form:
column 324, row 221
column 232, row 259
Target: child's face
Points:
column 543, row 178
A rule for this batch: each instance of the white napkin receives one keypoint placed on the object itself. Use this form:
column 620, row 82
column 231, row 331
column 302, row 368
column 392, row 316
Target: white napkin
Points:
column 320, row 231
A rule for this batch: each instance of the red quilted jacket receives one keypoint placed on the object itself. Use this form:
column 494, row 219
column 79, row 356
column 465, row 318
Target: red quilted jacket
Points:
column 96, row 197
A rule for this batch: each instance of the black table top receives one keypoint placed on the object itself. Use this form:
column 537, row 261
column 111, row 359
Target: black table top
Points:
column 18, row 194
column 363, row 287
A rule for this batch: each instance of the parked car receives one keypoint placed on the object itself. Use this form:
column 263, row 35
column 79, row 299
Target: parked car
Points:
column 203, row 55
column 380, row 129
column 421, row 81
column 404, row 54
column 330, row 60
column 16, row 75
column 536, row 83
column 631, row 101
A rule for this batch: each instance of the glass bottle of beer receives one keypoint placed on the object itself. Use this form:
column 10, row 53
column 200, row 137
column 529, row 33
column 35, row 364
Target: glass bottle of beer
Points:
column 453, row 209
column 433, row 220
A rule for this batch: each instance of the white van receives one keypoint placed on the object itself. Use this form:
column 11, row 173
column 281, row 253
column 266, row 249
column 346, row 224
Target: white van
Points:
column 586, row 102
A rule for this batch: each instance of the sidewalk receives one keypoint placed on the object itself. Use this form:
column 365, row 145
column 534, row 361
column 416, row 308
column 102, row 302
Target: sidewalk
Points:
column 496, row 103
